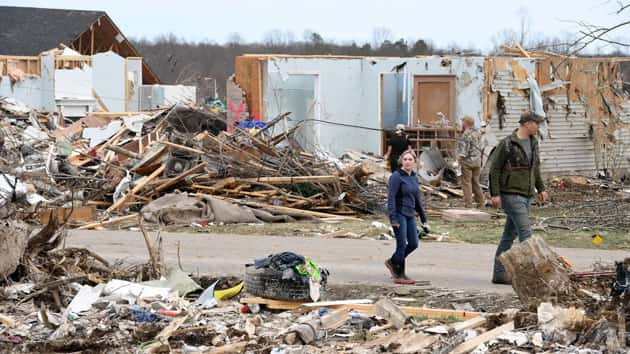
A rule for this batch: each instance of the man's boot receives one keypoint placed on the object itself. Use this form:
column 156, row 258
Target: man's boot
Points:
column 403, row 279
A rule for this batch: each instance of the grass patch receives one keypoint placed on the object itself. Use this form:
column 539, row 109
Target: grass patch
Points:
column 490, row 233
column 475, row 233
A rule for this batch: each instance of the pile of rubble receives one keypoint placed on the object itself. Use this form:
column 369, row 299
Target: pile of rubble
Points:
column 581, row 203
column 70, row 299
column 176, row 165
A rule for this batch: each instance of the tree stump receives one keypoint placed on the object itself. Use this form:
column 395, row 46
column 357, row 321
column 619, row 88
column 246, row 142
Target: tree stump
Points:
column 538, row 274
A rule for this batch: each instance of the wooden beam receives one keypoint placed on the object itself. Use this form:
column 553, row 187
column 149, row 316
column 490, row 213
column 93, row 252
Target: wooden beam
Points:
column 367, row 308
column 100, row 101
column 483, row 338
column 118, row 114
column 423, row 311
column 182, row 147
column 92, row 39
column 179, row 178
column 129, row 196
column 280, row 209
column 85, row 214
column 469, row 324
column 386, row 309
column 291, row 180
column 123, row 151
column 108, row 222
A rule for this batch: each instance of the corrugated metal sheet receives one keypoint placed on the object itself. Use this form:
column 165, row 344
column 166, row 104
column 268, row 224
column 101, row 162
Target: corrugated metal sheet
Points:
column 568, row 147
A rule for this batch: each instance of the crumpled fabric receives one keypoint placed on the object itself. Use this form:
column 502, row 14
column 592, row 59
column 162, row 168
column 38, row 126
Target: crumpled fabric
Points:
column 280, row 261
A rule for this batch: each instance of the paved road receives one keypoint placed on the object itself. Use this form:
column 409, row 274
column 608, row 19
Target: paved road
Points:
column 449, row 265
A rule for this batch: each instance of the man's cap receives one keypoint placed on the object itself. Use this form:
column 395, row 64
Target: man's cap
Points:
column 530, row 117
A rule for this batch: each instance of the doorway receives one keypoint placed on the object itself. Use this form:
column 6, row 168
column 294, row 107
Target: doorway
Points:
column 433, row 95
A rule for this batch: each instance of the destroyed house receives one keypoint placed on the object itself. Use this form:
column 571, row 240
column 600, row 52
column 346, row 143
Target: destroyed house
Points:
column 350, row 103
column 75, row 61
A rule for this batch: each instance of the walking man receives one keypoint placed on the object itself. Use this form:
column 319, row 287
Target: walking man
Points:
column 514, row 179
column 469, row 150
column 398, row 143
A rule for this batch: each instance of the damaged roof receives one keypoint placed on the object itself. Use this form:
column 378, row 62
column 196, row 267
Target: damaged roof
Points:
column 30, row 30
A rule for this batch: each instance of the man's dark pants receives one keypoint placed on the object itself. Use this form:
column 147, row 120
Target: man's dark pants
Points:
column 517, row 223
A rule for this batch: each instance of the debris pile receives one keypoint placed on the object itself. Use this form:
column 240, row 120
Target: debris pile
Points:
column 581, row 203
column 181, row 159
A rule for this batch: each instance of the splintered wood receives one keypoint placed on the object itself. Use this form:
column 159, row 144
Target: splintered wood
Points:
column 188, row 150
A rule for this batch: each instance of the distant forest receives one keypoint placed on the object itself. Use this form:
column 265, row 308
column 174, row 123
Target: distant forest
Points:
column 177, row 61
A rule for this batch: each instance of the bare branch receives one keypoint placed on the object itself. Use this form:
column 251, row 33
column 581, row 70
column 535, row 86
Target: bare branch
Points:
column 622, row 7
column 605, row 40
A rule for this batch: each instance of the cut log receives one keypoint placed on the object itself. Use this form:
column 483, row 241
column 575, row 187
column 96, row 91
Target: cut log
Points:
column 483, row 338
column 538, row 274
column 386, row 309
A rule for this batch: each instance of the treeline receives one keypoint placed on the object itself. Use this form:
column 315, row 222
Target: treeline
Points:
column 177, row 61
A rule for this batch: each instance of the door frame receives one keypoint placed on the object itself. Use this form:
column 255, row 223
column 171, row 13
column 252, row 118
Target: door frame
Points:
column 433, row 78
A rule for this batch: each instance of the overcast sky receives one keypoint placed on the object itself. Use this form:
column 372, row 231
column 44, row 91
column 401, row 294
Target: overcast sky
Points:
column 466, row 23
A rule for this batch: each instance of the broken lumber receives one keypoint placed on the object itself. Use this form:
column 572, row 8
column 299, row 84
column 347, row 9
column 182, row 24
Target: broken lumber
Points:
column 406, row 341
column 84, row 214
column 291, row 180
column 7, row 321
column 469, row 324
column 173, row 181
column 123, row 151
column 386, row 309
column 278, row 209
column 422, row 311
column 229, row 348
column 120, row 202
column 337, row 303
column 182, row 147
column 538, row 274
column 483, row 338
column 465, row 215
column 108, row 222
column 335, row 319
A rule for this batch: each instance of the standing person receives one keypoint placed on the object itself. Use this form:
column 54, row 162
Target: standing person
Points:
column 398, row 143
column 403, row 202
column 514, row 179
column 469, row 155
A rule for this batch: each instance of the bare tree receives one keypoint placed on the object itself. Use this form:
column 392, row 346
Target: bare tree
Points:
column 591, row 33
column 380, row 35
column 235, row 38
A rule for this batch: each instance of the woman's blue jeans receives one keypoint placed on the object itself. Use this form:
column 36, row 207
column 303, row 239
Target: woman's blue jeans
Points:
column 406, row 238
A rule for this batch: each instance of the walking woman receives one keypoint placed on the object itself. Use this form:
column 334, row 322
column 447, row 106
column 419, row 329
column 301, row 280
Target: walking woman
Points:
column 403, row 202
